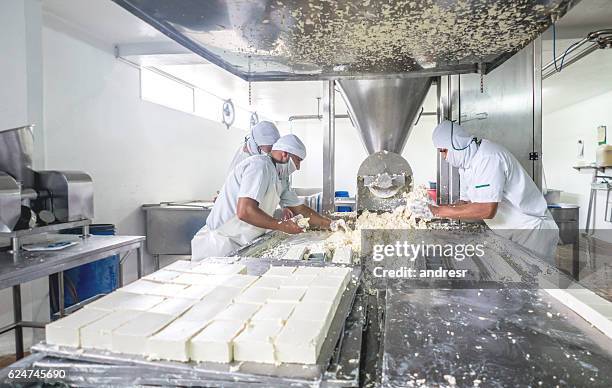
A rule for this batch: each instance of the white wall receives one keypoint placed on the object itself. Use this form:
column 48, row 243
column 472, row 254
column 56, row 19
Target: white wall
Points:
column 560, row 133
column 136, row 152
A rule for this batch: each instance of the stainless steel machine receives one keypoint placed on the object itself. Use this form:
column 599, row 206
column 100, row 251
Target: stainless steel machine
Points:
column 30, row 199
column 384, row 112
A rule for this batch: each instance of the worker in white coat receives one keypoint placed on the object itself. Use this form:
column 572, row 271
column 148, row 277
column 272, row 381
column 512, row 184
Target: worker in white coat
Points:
column 263, row 135
column 495, row 188
column 252, row 191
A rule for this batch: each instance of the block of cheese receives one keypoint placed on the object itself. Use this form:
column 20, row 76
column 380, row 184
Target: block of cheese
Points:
column 119, row 300
column 240, row 281
column 162, row 276
column 197, row 291
column 204, row 311
column 146, row 287
column 238, row 312
column 131, row 338
column 288, row 295
column 308, row 271
column 98, row 334
column 256, row 342
column 296, row 252
column 343, row 255
column 172, row 342
column 271, row 282
column 278, row 270
column 300, row 342
column 314, row 312
column 330, row 282
column 173, row 306
column 323, row 294
column 67, row 331
column 336, row 271
column 181, row 266
column 223, row 294
column 220, row 269
column 299, row 281
column 255, row 295
column 189, row 278
column 277, row 312
column 214, row 343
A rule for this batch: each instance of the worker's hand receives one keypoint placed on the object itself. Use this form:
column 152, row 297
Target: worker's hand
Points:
column 287, row 213
column 290, row 227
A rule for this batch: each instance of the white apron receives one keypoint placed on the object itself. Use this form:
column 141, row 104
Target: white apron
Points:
column 234, row 233
column 540, row 235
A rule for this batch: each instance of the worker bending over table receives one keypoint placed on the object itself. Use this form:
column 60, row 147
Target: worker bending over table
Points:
column 252, row 191
column 495, row 188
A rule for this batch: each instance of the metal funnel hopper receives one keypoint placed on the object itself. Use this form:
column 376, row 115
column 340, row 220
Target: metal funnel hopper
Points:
column 384, row 110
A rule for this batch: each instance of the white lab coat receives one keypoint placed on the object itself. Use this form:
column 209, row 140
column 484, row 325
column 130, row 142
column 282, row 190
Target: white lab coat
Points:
column 256, row 178
column 494, row 175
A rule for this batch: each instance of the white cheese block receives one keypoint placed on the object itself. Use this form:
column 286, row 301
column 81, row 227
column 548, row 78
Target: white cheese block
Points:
column 220, row 269
column 131, row 338
column 336, row 271
column 222, row 295
column 277, row 312
column 214, row 343
column 343, row 255
column 296, row 252
column 271, row 282
column 173, row 306
column 237, row 312
column 283, row 271
column 330, row 282
column 299, row 281
column 313, row 271
column 126, row 301
column 204, row 311
column 66, row 331
column 197, row 291
column 167, row 290
column 256, row 342
column 287, row 295
column 255, row 295
column 181, row 266
column 323, row 294
column 193, row 278
column 172, row 342
column 240, row 281
column 162, row 276
column 300, row 342
column 98, row 334
column 588, row 305
column 314, row 312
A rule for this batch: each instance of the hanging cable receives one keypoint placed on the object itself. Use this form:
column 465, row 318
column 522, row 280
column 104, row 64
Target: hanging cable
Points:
column 560, row 67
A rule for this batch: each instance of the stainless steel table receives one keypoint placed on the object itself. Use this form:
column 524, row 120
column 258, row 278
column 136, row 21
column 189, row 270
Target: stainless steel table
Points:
column 28, row 266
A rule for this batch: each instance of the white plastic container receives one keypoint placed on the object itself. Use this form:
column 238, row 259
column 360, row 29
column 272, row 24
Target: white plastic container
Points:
column 604, row 155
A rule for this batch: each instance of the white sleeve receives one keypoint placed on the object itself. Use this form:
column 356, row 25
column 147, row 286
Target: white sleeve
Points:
column 488, row 180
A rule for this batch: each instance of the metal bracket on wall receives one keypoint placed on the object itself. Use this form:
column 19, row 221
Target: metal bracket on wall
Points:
column 534, row 156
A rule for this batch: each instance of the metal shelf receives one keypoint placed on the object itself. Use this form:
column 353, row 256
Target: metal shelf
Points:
column 45, row 229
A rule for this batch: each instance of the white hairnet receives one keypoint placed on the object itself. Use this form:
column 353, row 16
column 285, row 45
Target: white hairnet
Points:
column 263, row 133
column 291, row 144
column 459, row 143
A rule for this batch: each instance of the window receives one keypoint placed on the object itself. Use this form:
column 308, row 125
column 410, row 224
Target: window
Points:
column 165, row 90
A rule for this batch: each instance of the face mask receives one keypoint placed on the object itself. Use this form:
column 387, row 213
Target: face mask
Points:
column 291, row 167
